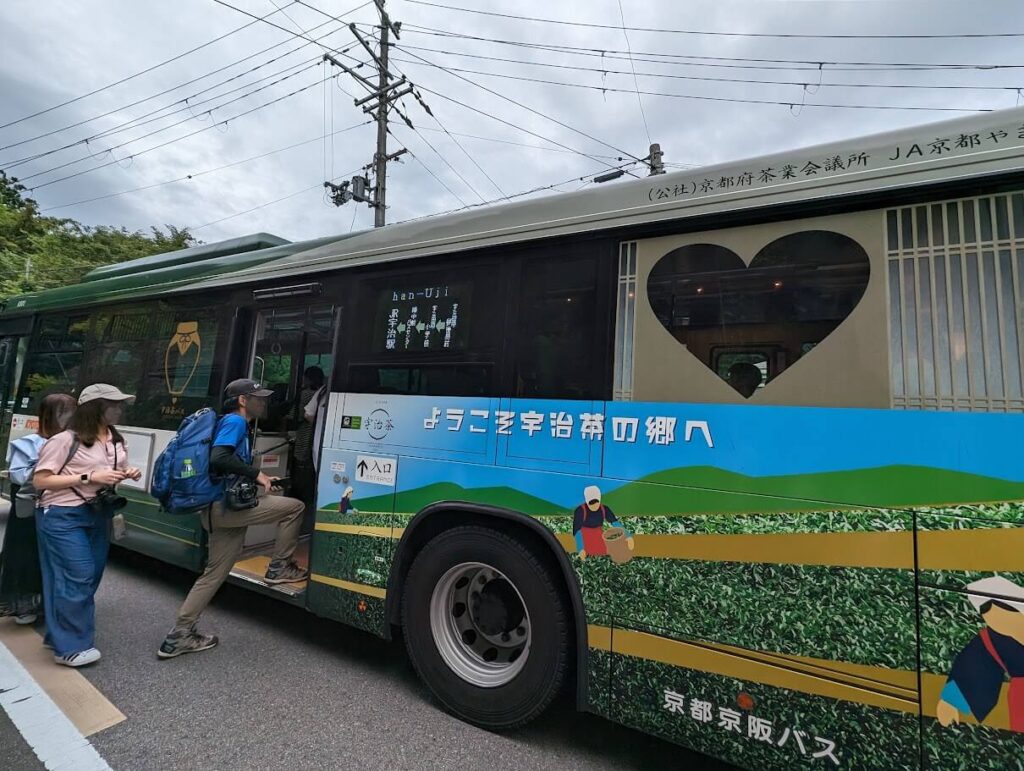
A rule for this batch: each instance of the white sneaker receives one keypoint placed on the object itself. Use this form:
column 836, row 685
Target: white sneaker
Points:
column 79, row 659
column 28, row 618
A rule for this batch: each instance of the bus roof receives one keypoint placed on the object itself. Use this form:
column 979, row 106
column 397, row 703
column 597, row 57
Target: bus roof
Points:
column 961, row 148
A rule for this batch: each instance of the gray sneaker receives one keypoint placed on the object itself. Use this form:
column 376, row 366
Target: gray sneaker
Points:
column 285, row 573
column 178, row 642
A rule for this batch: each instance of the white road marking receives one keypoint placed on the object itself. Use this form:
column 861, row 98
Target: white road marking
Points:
column 54, row 739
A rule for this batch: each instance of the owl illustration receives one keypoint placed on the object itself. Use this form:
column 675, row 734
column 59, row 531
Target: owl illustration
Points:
column 181, row 359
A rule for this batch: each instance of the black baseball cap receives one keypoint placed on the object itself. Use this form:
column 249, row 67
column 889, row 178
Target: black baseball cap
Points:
column 246, row 387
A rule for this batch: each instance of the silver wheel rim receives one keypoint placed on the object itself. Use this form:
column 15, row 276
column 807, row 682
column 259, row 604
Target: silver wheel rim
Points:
column 480, row 624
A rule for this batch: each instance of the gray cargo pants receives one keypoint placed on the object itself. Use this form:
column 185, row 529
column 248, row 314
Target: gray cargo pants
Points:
column 227, row 537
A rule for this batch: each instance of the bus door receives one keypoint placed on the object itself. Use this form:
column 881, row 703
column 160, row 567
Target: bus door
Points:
column 293, row 356
column 10, row 374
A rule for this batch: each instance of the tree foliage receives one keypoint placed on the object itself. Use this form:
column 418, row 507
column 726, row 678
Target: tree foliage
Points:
column 38, row 252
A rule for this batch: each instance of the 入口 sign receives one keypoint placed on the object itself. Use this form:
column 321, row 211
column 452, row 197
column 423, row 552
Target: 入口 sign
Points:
column 376, row 470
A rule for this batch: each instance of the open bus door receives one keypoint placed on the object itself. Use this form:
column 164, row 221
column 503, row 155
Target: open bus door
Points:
column 292, row 355
column 8, row 358
column 13, row 337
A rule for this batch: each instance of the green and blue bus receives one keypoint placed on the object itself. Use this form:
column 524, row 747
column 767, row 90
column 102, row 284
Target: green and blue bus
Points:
column 733, row 453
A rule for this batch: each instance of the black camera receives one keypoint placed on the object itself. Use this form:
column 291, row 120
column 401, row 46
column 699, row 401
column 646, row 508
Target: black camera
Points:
column 108, row 499
column 243, row 495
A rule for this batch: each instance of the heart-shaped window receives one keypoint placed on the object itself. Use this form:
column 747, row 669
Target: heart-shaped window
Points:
column 750, row 323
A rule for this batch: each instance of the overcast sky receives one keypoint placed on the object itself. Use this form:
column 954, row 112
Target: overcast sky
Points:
column 56, row 50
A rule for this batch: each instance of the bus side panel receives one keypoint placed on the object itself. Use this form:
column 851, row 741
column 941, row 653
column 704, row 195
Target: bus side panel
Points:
column 969, row 555
column 352, row 543
column 757, row 714
column 179, row 540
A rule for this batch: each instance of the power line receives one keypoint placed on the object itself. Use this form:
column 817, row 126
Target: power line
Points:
column 145, row 120
column 636, row 83
column 519, row 104
column 436, row 120
column 385, row 91
column 502, row 96
column 783, row 35
column 192, row 81
column 524, row 144
column 448, row 163
column 136, row 74
column 302, row 35
column 712, row 61
column 195, row 174
column 486, row 114
column 790, row 103
column 177, row 139
column 318, row 185
column 674, row 76
column 173, row 125
column 440, row 181
column 520, row 194
column 451, row 137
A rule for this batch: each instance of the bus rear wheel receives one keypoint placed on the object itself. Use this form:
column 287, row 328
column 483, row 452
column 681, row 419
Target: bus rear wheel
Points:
column 486, row 627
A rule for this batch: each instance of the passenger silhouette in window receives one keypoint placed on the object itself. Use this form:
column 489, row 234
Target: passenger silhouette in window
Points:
column 745, row 378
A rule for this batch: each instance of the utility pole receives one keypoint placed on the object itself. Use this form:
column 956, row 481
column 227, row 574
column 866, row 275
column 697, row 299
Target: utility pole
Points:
column 654, row 160
column 382, row 94
column 381, row 157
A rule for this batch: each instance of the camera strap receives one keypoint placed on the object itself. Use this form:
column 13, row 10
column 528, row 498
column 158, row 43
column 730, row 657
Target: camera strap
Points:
column 74, row 448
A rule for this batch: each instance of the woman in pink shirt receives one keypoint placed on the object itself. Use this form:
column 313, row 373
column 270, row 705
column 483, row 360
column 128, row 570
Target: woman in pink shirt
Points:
column 77, row 470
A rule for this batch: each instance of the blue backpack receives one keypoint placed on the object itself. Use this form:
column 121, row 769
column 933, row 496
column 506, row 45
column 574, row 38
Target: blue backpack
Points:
column 182, row 480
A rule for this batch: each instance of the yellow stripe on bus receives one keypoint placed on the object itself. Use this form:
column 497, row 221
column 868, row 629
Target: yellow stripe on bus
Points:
column 377, row 532
column 837, row 679
column 741, row 666
column 131, row 523
column 988, row 549
column 370, row 591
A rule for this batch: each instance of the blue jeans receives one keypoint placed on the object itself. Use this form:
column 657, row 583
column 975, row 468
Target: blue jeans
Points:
column 73, row 545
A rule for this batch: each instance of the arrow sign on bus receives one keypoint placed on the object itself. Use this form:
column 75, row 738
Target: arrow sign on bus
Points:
column 376, row 470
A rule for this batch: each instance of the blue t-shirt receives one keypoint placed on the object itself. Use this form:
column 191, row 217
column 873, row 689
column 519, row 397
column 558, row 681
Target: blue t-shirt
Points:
column 233, row 431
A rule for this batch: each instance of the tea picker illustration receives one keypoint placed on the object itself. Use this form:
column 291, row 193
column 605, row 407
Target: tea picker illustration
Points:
column 995, row 655
column 345, row 505
column 592, row 540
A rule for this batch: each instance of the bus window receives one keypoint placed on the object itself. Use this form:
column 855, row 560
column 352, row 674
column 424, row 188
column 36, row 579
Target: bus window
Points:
column 427, row 333
column 54, row 360
column 792, row 295
column 559, row 323
column 117, row 349
column 182, row 374
column 288, row 342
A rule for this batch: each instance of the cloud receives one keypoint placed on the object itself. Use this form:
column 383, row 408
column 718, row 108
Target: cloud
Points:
column 58, row 50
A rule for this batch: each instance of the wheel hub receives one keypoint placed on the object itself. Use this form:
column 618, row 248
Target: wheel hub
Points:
column 497, row 609
column 480, row 624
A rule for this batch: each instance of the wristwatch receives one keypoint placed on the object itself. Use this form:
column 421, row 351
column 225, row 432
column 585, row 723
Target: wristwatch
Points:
column 84, row 479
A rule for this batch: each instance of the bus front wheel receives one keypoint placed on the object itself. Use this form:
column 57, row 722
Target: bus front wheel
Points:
column 486, row 626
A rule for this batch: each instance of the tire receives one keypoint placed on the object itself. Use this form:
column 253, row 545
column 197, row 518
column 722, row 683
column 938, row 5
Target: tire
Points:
column 484, row 684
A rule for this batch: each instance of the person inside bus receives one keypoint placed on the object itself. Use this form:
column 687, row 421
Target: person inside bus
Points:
column 308, row 406
column 745, row 378
column 21, row 578
column 993, row 656
column 588, row 525
column 78, row 500
column 231, row 458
